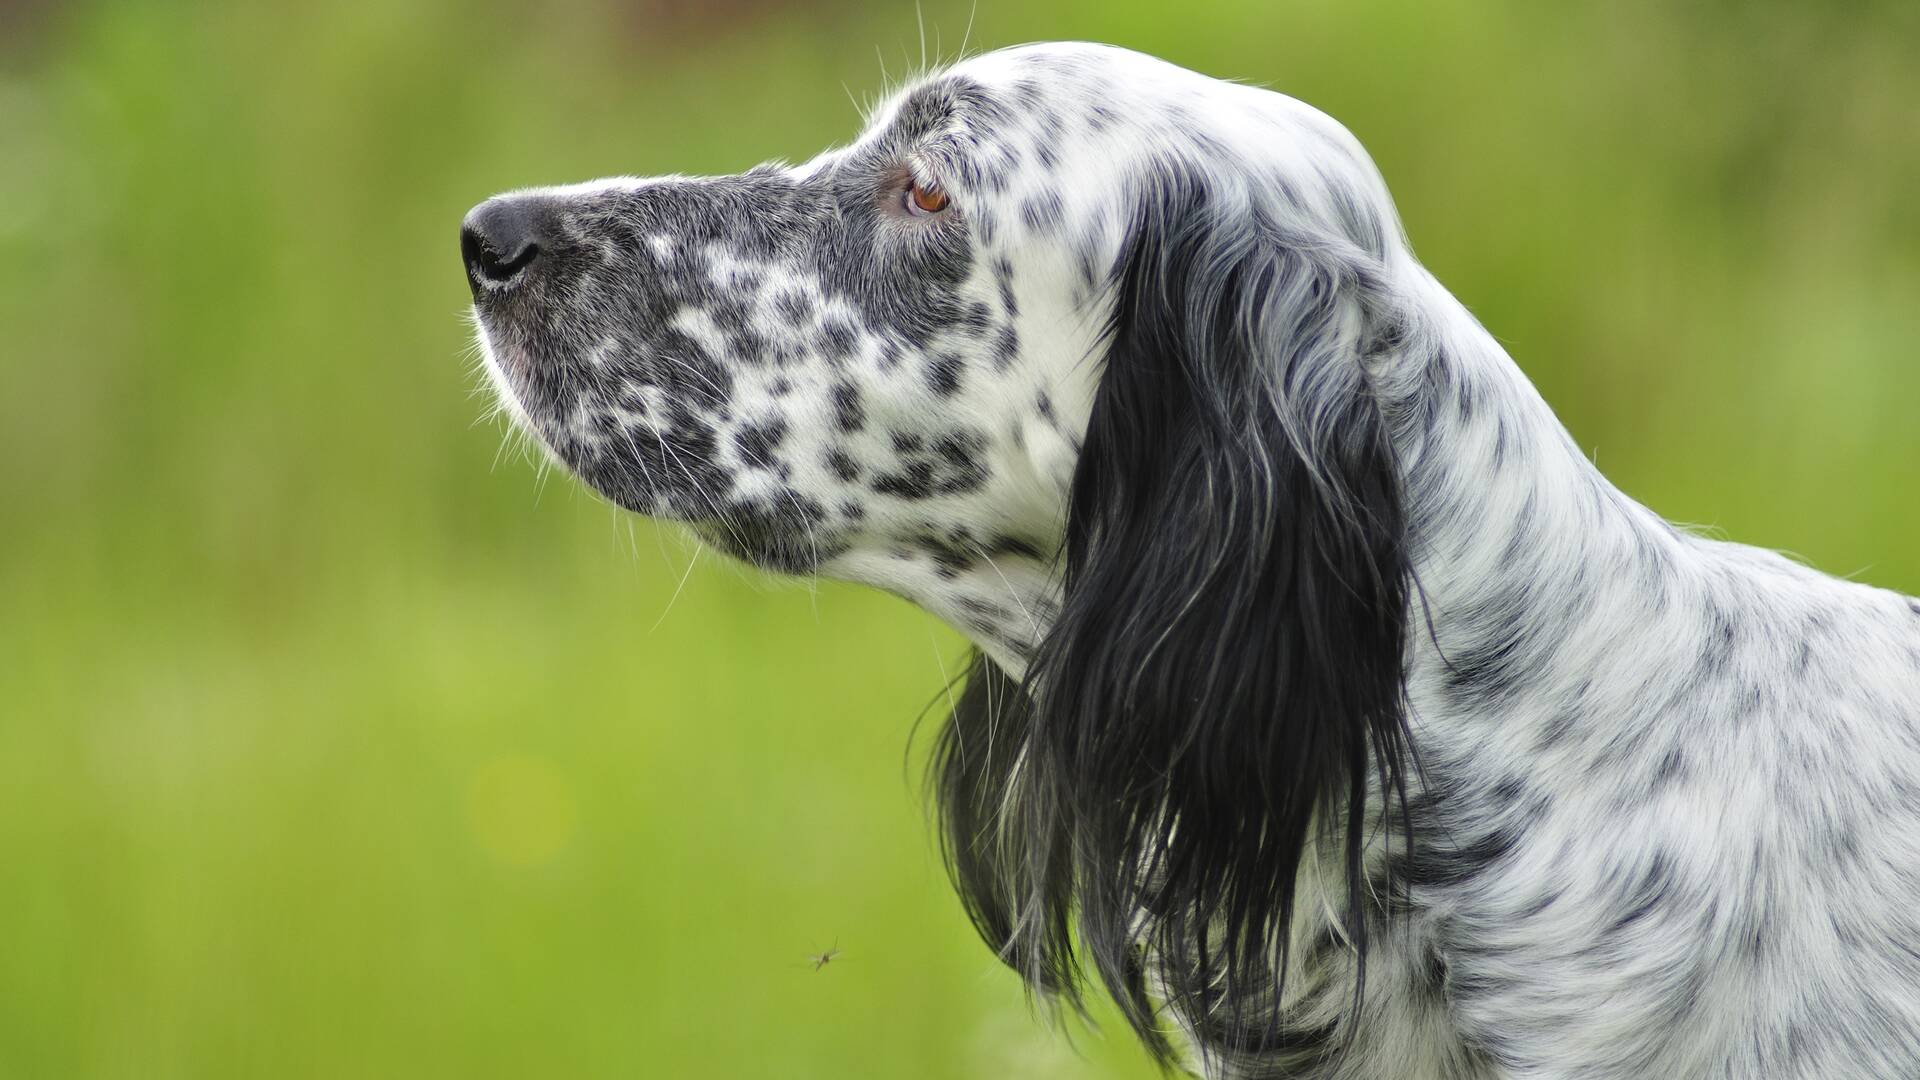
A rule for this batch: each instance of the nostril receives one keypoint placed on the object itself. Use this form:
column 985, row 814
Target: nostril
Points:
column 498, row 240
column 491, row 263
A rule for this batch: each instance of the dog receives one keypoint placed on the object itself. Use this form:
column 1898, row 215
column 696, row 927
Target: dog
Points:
column 1329, row 708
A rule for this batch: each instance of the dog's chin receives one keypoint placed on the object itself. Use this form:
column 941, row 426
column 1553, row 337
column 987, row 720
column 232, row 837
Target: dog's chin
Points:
column 768, row 547
column 619, row 483
column 779, row 535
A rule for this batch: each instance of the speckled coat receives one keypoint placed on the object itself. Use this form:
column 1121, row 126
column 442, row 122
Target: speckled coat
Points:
column 1265, row 542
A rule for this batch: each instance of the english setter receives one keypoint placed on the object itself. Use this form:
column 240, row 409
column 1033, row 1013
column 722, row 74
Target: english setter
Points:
column 1328, row 704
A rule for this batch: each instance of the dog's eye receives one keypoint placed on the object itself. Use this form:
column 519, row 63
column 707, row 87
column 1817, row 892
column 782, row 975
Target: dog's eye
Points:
column 923, row 200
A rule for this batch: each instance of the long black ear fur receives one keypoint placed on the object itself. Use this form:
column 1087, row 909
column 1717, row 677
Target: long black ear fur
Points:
column 1225, row 676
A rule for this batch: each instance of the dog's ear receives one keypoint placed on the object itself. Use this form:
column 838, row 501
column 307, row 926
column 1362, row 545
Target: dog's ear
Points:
column 999, row 859
column 1225, row 677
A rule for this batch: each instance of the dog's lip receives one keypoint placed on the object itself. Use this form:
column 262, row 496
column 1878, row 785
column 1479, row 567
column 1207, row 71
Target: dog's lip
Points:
column 504, row 365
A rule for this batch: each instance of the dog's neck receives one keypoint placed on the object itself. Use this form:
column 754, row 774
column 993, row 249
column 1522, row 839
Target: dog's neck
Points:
column 1518, row 543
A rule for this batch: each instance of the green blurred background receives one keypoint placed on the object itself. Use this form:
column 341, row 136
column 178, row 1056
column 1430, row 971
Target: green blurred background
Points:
column 336, row 742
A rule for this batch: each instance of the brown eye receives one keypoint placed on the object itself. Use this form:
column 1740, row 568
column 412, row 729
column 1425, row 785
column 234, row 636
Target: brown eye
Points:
column 924, row 200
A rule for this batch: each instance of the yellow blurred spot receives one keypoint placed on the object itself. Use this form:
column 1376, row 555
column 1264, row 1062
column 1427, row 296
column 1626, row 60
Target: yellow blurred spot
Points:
column 521, row 809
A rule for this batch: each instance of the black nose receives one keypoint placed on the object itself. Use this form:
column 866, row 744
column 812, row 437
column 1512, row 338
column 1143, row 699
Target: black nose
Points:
column 500, row 238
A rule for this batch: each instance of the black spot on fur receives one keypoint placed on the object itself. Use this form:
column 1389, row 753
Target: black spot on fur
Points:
column 835, row 341
column 729, row 313
column 913, row 482
column 1673, row 766
column 842, row 465
column 794, row 308
column 1647, row 891
column 849, row 414
column 1488, row 668
column 1012, row 545
column 1430, row 866
column 757, row 442
column 747, row 347
column 949, row 562
column 974, row 605
column 1006, row 347
column 961, row 469
column 1043, row 212
column 1003, row 280
column 977, row 319
column 943, row 374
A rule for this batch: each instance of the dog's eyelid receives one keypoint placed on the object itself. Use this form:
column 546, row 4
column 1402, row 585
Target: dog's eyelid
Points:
column 918, row 170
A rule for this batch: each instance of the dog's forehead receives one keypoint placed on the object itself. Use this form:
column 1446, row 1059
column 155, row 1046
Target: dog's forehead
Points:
column 1107, row 107
column 1027, row 85
column 1002, row 123
column 1078, row 67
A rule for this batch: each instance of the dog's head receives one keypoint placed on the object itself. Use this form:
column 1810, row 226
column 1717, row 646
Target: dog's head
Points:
column 1071, row 347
